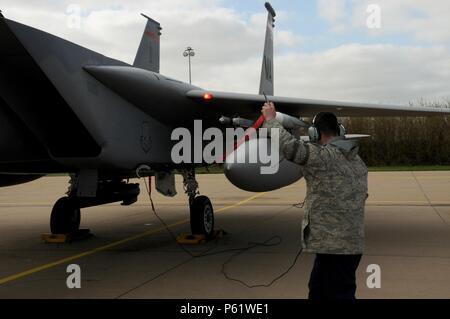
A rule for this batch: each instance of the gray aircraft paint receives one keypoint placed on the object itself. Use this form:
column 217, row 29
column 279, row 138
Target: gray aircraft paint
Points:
column 242, row 175
column 148, row 54
column 267, row 71
column 113, row 122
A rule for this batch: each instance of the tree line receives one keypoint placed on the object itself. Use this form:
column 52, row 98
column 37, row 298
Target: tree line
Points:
column 404, row 140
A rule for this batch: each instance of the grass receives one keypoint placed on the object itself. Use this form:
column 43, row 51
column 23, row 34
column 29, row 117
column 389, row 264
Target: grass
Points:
column 407, row 168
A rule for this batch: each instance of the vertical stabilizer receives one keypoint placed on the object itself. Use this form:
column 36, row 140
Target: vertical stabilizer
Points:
column 148, row 53
column 266, row 84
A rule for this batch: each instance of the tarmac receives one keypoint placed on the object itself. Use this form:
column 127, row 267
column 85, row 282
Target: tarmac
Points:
column 131, row 255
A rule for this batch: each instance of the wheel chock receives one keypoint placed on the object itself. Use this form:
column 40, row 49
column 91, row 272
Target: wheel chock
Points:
column 54, row 238
column 66, row 238
column 193, row 239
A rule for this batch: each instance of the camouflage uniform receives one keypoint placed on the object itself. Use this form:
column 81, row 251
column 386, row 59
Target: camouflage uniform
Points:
column 336, row 180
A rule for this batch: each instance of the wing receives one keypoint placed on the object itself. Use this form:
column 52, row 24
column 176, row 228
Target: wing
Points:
column 249, row 105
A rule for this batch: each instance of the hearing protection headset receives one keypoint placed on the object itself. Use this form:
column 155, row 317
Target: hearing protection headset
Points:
column 314, row 132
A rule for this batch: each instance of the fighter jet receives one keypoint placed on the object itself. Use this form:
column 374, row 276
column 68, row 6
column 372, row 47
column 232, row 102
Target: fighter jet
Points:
column 67, row 109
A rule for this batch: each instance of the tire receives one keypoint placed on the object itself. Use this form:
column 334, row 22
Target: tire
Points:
column 202, row 217
column 65, row 217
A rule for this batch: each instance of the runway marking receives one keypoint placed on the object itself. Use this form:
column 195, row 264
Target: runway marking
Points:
column 428, row 198
column 114, row 244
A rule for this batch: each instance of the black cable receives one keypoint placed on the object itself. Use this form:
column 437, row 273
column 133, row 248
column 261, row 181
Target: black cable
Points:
column 299, row 205
column 254, row 245
column 236, row 251
column 165, row 225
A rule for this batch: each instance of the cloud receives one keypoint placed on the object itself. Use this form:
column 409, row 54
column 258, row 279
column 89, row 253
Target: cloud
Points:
column 370, row 73
column 219, row 35
column 334, row 12
column 422, row 20
column 352, row 72
column 229, row 47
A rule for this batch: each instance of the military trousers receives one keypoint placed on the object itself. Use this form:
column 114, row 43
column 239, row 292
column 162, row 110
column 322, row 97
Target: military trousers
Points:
column 333, row 277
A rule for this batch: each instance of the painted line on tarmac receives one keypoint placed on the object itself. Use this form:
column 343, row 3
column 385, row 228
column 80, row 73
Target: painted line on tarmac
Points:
column 113, row 245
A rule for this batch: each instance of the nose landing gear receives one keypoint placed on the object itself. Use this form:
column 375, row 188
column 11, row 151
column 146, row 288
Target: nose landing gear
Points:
column 201, row 209
column 202, row 217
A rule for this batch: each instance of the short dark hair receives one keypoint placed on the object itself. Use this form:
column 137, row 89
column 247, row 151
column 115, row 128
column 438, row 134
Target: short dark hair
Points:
column 326, row 123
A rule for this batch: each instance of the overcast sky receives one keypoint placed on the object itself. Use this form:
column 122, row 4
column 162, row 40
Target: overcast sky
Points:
column 324, row 48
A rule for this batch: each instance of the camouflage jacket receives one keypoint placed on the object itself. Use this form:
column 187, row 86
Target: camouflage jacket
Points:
column 336, row 181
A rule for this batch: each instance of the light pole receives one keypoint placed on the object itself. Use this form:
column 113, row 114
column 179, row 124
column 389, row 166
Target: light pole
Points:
column 189, row 52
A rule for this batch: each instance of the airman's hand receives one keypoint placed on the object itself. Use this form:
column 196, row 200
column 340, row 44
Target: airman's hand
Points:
column 268, row 111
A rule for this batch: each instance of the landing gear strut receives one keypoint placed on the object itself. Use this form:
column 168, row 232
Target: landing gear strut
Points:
column 201, row 209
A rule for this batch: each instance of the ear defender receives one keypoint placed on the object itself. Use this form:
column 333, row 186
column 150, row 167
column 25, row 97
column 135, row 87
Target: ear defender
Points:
column 314, row 134
column 342, row 130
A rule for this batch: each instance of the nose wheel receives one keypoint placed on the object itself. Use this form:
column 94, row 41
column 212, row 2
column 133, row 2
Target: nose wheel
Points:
column 201, row 209
column 202, row 217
